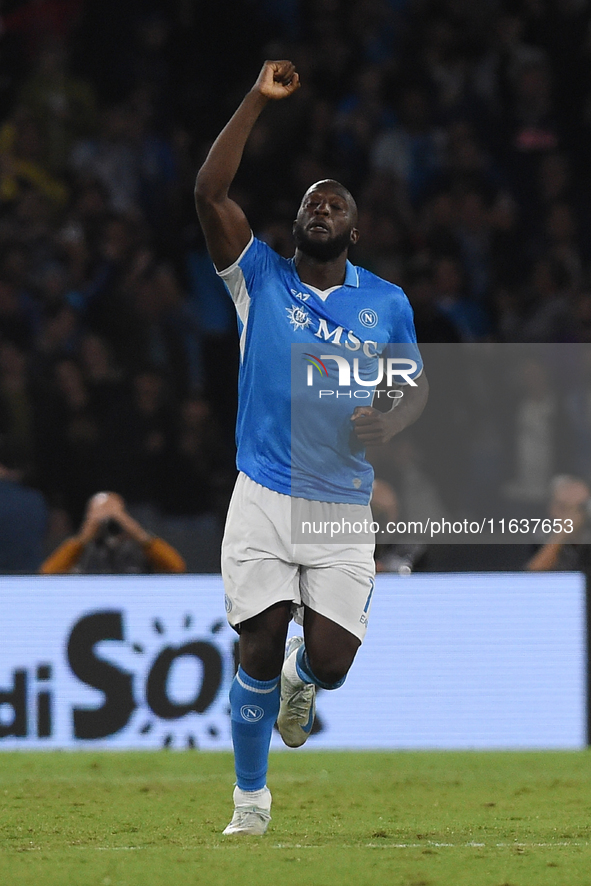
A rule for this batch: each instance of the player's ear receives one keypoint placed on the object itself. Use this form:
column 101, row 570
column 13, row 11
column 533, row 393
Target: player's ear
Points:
column 354, row 236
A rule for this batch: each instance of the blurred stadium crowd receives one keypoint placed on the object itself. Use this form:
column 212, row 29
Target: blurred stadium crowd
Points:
column 462, row 128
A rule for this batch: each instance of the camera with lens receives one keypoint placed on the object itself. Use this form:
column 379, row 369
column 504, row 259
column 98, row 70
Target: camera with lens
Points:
column 110, row 529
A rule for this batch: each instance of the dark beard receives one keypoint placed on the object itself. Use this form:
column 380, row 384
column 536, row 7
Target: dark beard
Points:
column 326, row 250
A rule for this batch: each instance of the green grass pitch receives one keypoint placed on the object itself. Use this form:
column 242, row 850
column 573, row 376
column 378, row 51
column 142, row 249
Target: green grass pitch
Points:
column 339, row 819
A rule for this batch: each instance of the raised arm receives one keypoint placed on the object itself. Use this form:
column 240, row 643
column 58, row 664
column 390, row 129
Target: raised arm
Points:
column 224, row 224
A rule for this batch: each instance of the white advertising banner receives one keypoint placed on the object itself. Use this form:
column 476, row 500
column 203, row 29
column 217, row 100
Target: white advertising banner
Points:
column 450, row 661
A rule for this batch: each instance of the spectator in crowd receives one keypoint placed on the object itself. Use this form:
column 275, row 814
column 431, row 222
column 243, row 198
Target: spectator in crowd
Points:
column 468, row 318
column 536, row 437
column 412, row 149
column 138, row 433
column 110, row 541
column 17, row 404
column 569, row 547
column 23, row 518
column 431, row 323
column 36, row 20
column 73, row 452
column 196, row 474
column 103, row 377
column 194, row 467
column 62, row 106
column 22, row 164
column 391, row 556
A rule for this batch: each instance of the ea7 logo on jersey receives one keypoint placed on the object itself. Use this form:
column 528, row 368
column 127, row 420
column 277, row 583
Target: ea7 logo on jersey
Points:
column 303, row 296
column 298, row 318
column 368, row 318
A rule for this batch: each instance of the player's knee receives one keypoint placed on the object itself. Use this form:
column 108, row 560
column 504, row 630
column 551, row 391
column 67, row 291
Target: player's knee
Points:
column 261, row 658
column 330, row 669
column 261, row 655
column 262, row 643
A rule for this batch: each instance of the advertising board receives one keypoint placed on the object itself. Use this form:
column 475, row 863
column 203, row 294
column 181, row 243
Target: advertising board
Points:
column 450, row 661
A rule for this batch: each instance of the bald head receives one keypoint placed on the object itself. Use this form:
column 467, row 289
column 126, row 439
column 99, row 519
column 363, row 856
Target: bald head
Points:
column 332, row 185
column 100, row 499
column 325, row 225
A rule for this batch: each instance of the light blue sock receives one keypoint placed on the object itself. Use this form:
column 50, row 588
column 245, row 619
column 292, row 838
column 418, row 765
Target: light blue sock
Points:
column 306, row 673
column 254, row 707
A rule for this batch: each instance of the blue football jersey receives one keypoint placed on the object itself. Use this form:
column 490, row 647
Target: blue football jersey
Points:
column 308, row 359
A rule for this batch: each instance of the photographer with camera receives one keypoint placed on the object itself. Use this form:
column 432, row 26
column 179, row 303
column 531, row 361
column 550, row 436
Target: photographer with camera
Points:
column 111, row 542
column 570, row 499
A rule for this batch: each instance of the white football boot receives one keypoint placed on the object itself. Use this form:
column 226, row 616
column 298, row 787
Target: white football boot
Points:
column 252, row 812
column 298, row 700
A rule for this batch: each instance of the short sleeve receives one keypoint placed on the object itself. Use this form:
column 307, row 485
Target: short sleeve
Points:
column 250, row 267
column 403, row 346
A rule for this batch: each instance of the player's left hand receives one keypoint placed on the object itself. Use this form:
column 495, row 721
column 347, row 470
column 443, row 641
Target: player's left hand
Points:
column 370, row 426
column 277, row 80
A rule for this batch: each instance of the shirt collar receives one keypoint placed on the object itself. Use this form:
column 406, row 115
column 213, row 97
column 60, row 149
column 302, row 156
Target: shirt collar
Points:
column 351, row 274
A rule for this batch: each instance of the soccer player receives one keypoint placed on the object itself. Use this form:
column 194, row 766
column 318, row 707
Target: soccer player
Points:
column 316, row 298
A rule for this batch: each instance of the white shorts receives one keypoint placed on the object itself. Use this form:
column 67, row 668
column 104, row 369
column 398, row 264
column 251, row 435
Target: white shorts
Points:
column 261, row 566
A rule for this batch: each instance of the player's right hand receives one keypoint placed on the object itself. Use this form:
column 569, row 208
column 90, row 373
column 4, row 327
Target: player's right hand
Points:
column 278, row 79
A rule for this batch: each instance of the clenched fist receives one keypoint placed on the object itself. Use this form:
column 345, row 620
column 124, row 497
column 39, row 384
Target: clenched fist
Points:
column 278, row 79
column 370, row 426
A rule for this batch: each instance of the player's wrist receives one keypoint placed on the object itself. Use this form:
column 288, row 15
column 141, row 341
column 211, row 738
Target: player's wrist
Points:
column 258, row 97
column 391, row 423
